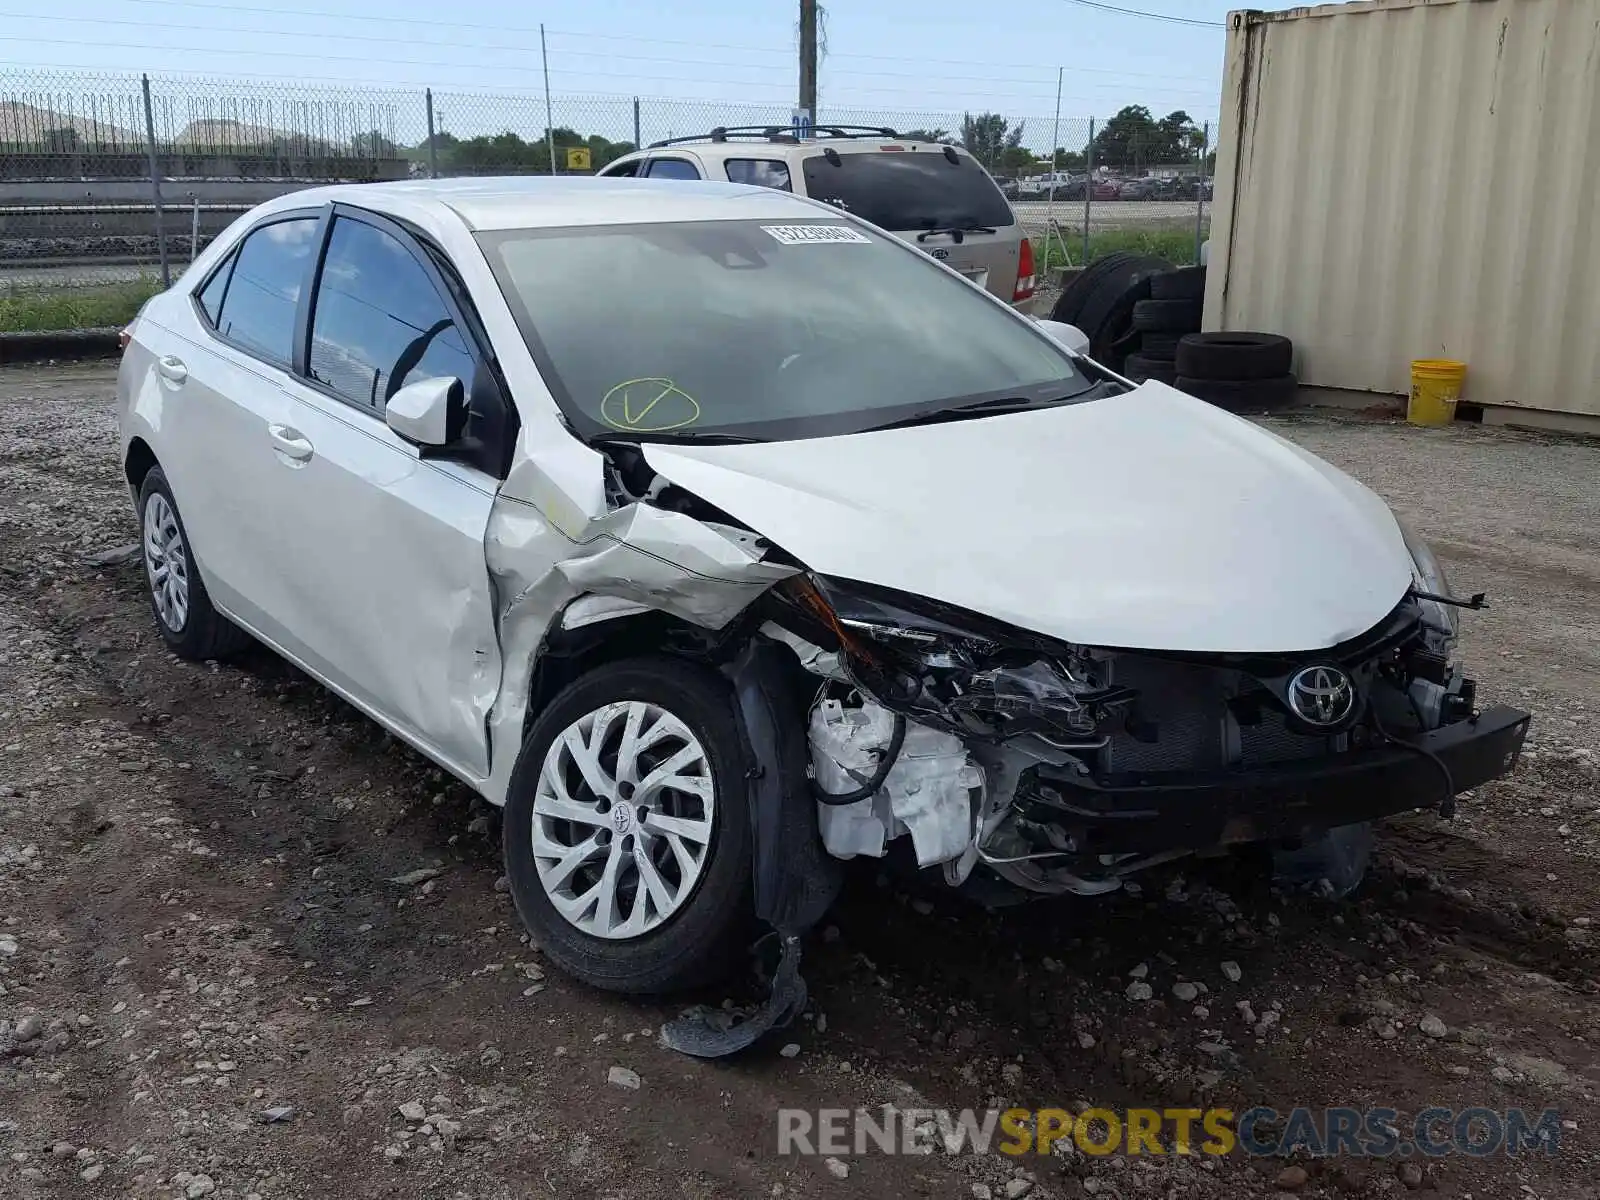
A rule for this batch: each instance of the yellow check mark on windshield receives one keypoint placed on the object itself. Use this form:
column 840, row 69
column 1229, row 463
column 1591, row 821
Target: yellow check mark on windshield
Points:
column 648, row 405
column 635, row 418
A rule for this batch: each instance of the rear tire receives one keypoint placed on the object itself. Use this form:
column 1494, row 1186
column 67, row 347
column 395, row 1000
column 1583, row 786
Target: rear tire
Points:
column 1242, row 395
column 191, row 627
column 678, row 909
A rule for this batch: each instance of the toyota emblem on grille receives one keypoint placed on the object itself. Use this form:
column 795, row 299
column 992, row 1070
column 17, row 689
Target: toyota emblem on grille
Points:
column 1322, row 696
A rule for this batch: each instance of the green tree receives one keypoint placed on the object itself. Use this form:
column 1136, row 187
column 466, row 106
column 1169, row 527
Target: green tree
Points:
column 988, row 136
column 1125, row 138
column 1179, row 136
column 603, row 151
column 1134, row 139
column 1070, row 160
column 375, row 145
column 941, row 136
column 509, row 153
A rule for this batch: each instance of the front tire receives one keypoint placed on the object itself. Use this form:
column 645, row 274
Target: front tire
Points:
column 627, row 828
column 190, row 626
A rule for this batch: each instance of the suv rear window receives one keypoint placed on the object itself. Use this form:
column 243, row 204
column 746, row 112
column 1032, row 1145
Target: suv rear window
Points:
column 909, row 190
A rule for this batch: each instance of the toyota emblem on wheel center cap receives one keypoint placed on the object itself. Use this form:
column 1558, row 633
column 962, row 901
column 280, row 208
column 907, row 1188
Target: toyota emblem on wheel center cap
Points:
column 1321, row 696
column 622, row 818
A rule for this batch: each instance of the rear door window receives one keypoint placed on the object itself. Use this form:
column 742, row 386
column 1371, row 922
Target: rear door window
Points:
column 672, row 168
column 761, row 172
column 259, row 309
column 620, row 170
column 907, row 190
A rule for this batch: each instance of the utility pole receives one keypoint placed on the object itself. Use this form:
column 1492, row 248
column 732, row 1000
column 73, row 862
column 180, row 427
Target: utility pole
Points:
column 808, row 58
column 549, row 121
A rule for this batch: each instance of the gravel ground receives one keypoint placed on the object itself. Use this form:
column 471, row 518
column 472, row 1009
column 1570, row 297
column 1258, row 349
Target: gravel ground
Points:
column 220, row 973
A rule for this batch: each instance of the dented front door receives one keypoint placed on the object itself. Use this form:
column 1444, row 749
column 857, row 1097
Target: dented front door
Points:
column 385, row 567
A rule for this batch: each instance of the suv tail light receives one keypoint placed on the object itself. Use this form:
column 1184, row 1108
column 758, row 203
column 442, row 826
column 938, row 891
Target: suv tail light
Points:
column 1025, row 278
column 124, row 336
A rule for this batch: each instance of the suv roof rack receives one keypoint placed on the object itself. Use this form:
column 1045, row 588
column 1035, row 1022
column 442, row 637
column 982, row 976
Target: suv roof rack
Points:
column 778, row 133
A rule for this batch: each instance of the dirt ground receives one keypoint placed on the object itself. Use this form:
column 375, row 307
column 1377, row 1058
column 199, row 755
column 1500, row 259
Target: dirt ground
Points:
column 212, row 984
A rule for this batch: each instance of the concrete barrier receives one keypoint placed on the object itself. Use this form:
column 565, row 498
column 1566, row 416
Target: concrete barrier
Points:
column 58, row 343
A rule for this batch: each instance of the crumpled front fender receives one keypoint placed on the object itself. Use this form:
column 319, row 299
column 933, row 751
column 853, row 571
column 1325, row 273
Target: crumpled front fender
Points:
column 700, row 572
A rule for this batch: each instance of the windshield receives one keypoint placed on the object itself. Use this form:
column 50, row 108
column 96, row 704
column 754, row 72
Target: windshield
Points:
column 904, row 190
column 760, row 330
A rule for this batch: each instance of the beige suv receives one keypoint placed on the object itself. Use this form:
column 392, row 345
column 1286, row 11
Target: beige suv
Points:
column 937, row 197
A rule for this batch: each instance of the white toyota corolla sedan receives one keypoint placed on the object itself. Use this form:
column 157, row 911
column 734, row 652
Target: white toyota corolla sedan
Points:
column 720, row 537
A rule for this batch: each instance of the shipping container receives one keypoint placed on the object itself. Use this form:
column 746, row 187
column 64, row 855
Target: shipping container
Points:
column 1402, row 179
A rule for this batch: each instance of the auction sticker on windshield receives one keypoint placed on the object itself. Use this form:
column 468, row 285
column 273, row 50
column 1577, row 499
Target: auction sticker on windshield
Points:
column 802, row 235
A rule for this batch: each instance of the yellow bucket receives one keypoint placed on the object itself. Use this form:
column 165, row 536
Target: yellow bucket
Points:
column 1435, row 388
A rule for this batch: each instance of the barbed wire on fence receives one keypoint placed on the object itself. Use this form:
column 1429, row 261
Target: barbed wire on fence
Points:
column 82, row 154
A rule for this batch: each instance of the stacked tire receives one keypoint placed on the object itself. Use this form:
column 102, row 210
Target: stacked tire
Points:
column 1237, row 370
column 1102, row 299
column 1175, row 306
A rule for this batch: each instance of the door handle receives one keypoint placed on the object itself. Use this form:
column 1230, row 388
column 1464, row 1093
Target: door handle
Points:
column 290, row 443
column 172, row 368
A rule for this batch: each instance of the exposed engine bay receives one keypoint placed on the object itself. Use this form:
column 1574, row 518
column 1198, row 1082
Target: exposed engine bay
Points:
column 993, row 746
column 1007, row 757
column 1013, row 762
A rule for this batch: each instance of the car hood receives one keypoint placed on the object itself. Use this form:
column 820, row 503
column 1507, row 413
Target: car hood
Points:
column 1147, row 519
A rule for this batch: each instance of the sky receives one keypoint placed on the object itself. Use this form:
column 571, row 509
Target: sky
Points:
column 931, row 59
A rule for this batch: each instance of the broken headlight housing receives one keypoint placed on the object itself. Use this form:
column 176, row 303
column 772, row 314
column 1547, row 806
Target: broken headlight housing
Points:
column 959, row 671
column 1428, row 575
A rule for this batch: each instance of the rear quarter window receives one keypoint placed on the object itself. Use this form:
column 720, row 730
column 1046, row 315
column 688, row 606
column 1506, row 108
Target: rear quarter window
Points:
column 210, row 296
column 904, row 190
column 760, row 172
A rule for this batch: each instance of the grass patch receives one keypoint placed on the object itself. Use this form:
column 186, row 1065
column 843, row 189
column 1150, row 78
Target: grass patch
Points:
column 1177, row 246
column 112, row 305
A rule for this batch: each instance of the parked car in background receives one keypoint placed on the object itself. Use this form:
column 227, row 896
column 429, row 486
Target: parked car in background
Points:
column 938, row 198
column 1182, row 187
column 1139, row 189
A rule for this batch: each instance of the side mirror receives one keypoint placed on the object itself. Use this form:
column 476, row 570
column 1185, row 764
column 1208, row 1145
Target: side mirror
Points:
column 430, row 412
column 1070, row 336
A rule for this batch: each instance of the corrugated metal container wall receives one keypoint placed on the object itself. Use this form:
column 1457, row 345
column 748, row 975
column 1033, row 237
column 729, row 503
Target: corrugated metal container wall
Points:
column 1404, row 179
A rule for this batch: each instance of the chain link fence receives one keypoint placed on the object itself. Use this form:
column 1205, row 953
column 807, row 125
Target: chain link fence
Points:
column 116, row 181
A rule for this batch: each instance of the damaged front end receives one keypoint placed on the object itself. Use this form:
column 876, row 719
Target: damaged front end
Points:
column 1012, row 762
column 1064, row 768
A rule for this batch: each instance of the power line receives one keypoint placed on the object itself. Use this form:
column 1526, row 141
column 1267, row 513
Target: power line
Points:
column 392, row 20
column 1010, row 97
column 784, row 52
column 608, row 54
column 924, row 75
column 1003, row 95
column 1149, row 16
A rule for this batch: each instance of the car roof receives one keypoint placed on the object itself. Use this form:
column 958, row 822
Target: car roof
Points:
column 543, row 201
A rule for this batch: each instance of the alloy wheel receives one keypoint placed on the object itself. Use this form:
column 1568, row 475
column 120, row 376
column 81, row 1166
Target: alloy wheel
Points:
column 623, row 819
column 166, row 561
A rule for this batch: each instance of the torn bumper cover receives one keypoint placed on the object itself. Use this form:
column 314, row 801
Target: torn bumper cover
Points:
column 1151, row 812
column 794, row 879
